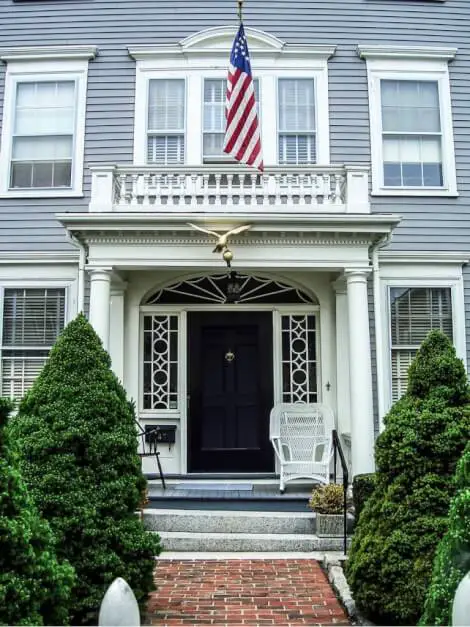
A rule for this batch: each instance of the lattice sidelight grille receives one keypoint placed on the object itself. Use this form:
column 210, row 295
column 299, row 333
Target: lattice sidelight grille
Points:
column 160, row 362
column 299, row 359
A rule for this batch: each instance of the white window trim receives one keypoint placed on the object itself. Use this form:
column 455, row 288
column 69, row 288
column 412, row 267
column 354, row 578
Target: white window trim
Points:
column 412, row 63
column 432, row 276
column 190, row 60
column 28, row 67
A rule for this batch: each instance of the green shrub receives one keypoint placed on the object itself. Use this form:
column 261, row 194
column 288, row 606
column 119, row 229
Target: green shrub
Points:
column 34, row 586
column 327, row 499
column 76, row 434
column 390, row 562
column 363, row 486
column 452, row 560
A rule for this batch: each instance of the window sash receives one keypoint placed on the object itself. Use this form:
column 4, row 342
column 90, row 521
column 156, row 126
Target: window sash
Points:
column 213, row 126
column 412, row 138
column 166, row 113
column 297, row 135
column 414, row 312
column 32, row 320
column 43, row 138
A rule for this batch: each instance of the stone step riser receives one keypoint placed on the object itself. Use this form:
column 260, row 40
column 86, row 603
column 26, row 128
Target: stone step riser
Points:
column 235, row 522
column 216, row 543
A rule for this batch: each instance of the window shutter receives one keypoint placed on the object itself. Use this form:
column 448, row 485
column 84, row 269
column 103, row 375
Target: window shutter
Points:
column 166, row 121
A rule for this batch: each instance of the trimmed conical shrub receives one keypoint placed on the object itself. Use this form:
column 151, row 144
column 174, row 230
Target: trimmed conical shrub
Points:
column 77, row 438
column 34, row 586
column 390, row 562
column 452, row 561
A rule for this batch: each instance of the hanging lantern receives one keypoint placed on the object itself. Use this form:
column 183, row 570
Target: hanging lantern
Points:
column 234, row 288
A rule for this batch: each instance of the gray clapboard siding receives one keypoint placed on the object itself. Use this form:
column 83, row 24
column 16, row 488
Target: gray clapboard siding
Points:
column 112, row 25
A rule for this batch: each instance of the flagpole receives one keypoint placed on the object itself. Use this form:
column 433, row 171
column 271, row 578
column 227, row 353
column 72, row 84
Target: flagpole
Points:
column 240, row 10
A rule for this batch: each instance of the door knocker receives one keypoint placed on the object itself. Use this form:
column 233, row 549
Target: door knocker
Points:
column 229, row 356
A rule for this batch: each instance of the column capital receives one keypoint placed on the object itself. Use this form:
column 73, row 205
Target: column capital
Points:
column 100, row 273
column 357, row 275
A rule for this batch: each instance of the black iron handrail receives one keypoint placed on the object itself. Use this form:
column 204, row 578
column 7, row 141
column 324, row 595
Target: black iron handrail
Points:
column 338, row 449
column 146, row 437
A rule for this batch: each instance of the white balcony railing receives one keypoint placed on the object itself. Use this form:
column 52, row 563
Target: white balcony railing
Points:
column 306, row 189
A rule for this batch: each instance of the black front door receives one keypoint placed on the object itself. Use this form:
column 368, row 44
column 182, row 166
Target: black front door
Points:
column 230, row 391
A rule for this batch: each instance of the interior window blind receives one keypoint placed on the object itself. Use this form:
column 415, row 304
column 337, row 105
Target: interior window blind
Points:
column 32, row 321
column 297, row 136
column 43, row 134
column 412, row 139
column 415, row 312
column 166, row 121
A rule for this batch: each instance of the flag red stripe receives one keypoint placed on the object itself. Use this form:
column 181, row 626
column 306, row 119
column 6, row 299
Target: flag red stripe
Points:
column 233, row 137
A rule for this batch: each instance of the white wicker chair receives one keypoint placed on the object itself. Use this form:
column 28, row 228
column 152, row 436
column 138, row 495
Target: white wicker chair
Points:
column 301, row 435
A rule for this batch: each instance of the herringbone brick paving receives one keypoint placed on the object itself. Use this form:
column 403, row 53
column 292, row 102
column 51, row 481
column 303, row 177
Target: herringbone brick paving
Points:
column 243, row 592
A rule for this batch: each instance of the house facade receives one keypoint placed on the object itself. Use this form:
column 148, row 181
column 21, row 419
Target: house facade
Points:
column 359, row 228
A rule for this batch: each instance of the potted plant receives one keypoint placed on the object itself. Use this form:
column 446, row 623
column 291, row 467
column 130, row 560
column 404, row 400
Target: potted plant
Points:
column 327, row 502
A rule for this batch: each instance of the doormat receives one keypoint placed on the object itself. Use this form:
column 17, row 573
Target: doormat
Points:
column 224, row 487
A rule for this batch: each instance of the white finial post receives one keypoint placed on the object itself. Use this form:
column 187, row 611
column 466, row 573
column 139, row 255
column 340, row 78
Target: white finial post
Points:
column 119, row 607
column 461, row 605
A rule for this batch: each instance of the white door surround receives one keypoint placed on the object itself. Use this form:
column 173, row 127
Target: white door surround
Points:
column 312, row 252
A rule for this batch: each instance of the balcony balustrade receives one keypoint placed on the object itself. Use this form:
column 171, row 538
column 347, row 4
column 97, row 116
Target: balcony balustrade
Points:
column 206, row 189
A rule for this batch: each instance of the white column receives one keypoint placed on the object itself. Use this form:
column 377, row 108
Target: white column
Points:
column 100, row 284
column 343, row 400
column 360, row 374
column 116, row 338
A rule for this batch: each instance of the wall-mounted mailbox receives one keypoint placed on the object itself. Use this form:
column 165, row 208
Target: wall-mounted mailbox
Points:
column 160, row 434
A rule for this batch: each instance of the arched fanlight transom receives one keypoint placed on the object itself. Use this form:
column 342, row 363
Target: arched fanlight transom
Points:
column 215, row 289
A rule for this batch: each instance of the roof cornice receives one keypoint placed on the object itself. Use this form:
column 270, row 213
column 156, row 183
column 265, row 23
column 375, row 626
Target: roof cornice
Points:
column 43, row 53
column 406, row 52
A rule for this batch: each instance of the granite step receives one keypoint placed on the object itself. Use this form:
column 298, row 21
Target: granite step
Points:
column 203, row 521
column 247, row 542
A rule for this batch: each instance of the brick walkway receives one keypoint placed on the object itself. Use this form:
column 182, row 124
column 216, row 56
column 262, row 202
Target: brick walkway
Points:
column 243, row 592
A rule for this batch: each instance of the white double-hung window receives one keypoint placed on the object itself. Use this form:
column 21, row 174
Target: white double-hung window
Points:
column 297, row 136
column 412, row 144
column 181, row 97
column 32, row 319
column 166, row 121
column 44, row 121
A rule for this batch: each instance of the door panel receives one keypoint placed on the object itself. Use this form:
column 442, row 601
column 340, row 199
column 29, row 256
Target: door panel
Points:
column 231, row 391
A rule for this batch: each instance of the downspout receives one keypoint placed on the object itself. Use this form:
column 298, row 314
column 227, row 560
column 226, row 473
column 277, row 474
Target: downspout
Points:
column 379, row 338
column 81, row 270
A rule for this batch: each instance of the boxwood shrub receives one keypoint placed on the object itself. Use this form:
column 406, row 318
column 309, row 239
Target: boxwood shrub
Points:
column 390, row 562
column 452, row 561
column 34, row 585
column 76, row 435
column 363, row 486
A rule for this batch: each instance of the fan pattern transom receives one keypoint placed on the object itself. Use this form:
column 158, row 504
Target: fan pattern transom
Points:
column 213, row 290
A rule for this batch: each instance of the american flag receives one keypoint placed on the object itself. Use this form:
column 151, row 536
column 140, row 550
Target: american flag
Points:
column 242, row 132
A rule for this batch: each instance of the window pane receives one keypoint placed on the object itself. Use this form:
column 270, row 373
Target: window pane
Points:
column 214, row 104
column 412, row 161
column 45, row 108
column 41, row 174
column 410, row 106
column 214, row 117
column 413, row 313
column 296, row 105
column 42, row 148
column 297, row 149
column 166, row 105
column 165, row 149
column 32, row 317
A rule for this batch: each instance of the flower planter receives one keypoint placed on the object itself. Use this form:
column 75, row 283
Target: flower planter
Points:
column 328, row 525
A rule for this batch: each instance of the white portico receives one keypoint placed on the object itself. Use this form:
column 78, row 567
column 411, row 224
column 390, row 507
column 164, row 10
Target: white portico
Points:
column 325, row 259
